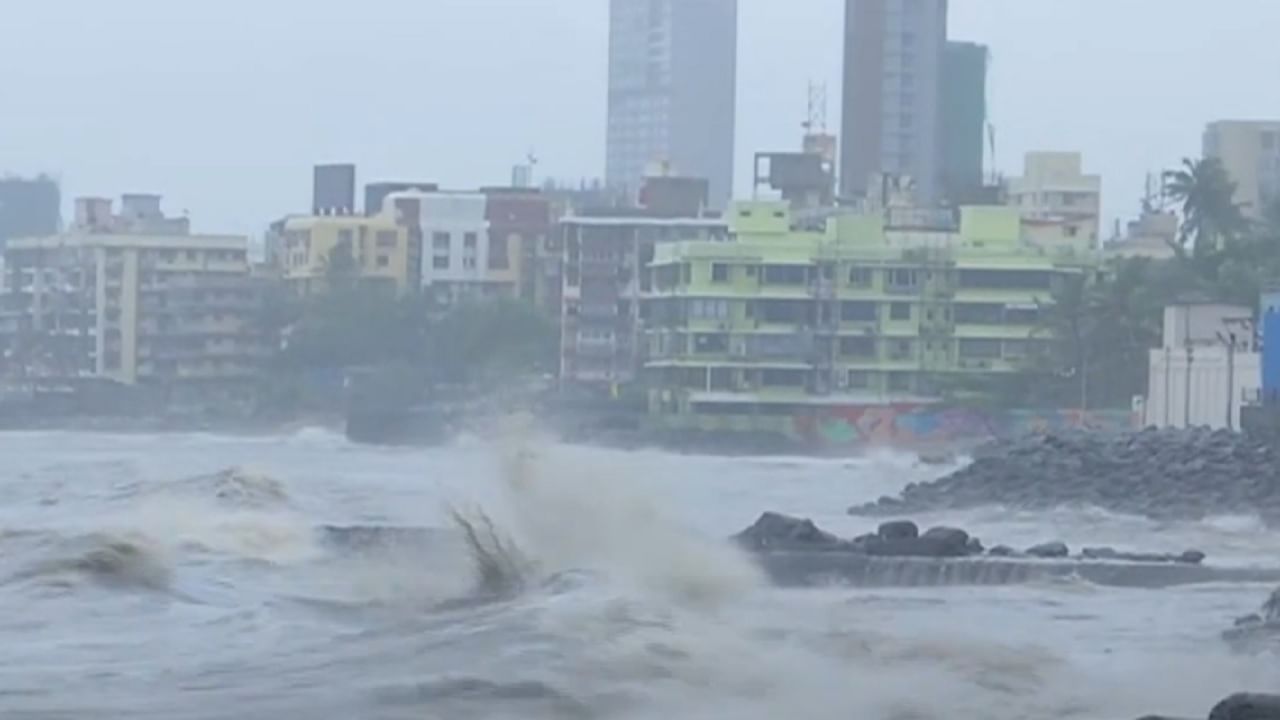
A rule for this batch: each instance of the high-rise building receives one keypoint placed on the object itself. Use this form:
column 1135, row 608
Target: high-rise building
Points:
column 672, row 89
column 893, row 58
column 29, row 207
column 1250, row 153
column 963, row 116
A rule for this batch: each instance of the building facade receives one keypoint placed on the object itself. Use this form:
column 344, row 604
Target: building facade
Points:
column 461, row 260
column 604, row 279
column 1054, row 190
column 780, row 323
column 376, row 250
column 29, row 207
column 1250, row 153
column 134, row 307
column 672, row 91
column 891, row 118
column 521, row 218
column 963, row 120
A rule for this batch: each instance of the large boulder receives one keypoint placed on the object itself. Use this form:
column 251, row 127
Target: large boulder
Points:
column 1247, row 706
column 1049, row 550
column 775, row 531
column 898, row 530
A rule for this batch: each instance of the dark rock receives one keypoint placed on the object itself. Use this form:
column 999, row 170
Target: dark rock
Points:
column 898, row 530
column 1001, row 551
column 775, row 531
column 1164, row 474
column 1247, row 706
column 1100, row 553
column 974, row 546
column 1049, row 550
column 949, row 537
column 1191, row 557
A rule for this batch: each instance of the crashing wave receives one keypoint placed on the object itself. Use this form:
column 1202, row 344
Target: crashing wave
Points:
column 117, row 560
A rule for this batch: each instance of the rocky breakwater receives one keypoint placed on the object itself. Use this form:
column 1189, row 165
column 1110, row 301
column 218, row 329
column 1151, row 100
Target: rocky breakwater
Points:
column 1163, row 474
column 795, row 552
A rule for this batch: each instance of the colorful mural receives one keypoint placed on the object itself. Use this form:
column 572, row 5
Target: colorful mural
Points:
column 920, row 425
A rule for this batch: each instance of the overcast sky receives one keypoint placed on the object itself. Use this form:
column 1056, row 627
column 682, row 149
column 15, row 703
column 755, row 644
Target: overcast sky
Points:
column 224, row 105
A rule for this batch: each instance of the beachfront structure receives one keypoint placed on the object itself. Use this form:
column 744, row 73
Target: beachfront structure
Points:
column 603, row 280
column 374, row 249
column 872, row 310
column 127, row 301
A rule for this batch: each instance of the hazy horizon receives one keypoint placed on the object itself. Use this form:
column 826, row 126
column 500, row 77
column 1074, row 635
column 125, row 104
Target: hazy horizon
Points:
column 224, row 108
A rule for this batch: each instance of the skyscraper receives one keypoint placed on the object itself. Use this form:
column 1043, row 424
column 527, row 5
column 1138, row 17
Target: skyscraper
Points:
column 672, row 89
column 963, row 119
column 1249, row 151
column 893, row 58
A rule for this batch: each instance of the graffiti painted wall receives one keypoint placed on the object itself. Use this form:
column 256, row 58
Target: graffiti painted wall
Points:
column 922, row 425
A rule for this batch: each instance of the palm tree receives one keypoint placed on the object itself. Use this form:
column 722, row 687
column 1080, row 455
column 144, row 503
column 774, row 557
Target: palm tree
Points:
column 1210, row 218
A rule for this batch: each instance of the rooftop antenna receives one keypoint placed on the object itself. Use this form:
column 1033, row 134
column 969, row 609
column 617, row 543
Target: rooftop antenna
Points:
column 815, row 121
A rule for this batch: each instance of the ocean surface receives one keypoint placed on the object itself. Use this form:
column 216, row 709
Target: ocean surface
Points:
column 322, row 579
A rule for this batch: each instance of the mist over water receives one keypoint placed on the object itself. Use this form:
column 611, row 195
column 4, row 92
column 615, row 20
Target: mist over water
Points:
column 196, row 576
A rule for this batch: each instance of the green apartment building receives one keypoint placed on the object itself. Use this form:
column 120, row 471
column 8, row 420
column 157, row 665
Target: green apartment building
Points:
column 871, row 311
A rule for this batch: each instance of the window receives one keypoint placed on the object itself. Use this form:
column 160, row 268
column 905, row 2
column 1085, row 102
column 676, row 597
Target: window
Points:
column 978, row 313
column 440, row 241
column 440, row 262
column 979, row 349
column 384, row 261
column 903, row 280
column 1071, row 231
column 854, row 311
column 500, row 253
column 900, row 311
column 858, row 347
column 386, row 239
column 708, row 309
column 785, row 275
column 346, row 236
column 860, row 277
column 901, row 350
column 899, row 382
column 719, row 273
column 782, row 378
column 469, row 241
column 1006, row 279
column 859, row 379
column 711, row 344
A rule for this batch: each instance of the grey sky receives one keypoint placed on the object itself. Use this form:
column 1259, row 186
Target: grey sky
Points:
column 223, row 106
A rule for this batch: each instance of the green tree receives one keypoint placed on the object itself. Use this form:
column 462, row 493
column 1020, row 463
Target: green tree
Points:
column 492, row 340
column 1210, row 217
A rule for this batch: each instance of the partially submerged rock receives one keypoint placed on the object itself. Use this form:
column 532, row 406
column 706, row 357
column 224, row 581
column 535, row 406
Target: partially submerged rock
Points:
column 775, row 531
column 1257, row 631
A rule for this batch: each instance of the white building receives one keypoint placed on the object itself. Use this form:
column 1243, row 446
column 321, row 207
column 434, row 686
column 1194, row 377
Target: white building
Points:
column 1054, row 187
column 1207, row 367
column 459, row 258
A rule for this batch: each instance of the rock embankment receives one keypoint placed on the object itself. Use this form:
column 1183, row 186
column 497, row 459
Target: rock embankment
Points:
column 1163, row 474
column 775, row 532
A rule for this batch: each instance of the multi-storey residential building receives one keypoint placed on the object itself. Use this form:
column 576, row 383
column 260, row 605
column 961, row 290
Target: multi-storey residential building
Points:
column 460, row 258
column 375, row 249
column 604, row 278
column 1054, row 190
column 1250, row 153
column 893, row 60
column 121, row 299
column 784, row 322
column 672, row 90
column 522, row 218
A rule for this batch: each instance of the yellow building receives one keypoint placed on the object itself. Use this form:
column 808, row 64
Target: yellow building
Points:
column 131, row 307
column 380, row 248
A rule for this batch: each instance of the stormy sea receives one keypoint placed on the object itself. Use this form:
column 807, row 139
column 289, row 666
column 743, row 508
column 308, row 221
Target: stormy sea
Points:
column 301, row 576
